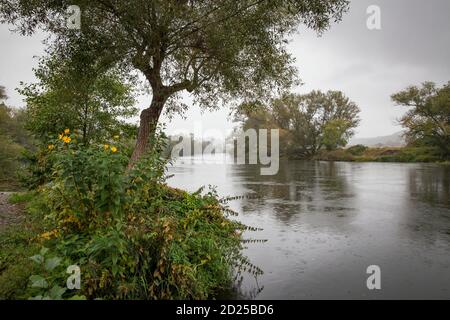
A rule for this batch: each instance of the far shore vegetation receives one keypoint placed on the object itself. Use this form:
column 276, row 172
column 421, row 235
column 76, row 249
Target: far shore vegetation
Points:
column 360, row 153
column 318, row 126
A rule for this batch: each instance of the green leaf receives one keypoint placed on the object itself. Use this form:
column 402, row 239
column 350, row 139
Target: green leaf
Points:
column 43, row 251
column 56, row 292
column 38, row 281
column 52, row 263
column 115, row 270
column 39, row 297
column 37, row 258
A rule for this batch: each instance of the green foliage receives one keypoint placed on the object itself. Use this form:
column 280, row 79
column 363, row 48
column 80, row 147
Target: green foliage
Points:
column 357, row 150
column 183, row 45
column 14, row 140
column 80, row 94
column 45, row 286
column 133, row 236
column 9, row 156
column 15, row 265
column 363, row 154
column 428, row 121
column 12, row 123
column 17, row 198
column 307, row 123
column 18, row 243
column 336, row 133
column 335, row 155
column 38, row 168
column 410, row 154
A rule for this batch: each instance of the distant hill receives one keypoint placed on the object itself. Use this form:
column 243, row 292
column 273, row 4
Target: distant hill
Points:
column 393, row 140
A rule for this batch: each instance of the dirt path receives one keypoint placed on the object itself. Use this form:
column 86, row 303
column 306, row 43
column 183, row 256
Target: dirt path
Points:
column 9, row 213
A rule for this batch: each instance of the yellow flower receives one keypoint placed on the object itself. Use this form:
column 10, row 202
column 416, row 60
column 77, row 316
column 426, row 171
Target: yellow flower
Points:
column 51, row 147
column 113, row 149
column 50, row 234
column 67, row 131
column 116, row 137
column 106, row 146
column 71, row 219
column 66, row 139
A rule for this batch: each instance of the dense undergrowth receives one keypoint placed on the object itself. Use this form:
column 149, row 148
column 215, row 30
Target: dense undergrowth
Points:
column 131, row 235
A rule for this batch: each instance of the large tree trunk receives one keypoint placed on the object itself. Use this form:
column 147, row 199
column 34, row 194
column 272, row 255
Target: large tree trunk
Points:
column 147, row 128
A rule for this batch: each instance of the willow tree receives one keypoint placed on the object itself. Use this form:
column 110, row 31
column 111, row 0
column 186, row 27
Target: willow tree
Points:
column 427, row 121
column 307, row 122
column 219, row 51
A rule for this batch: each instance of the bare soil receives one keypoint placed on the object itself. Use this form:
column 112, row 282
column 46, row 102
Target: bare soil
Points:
column 9, row 213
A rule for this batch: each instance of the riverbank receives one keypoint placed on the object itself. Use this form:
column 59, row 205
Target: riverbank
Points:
column 196, row 246
column 360, row 153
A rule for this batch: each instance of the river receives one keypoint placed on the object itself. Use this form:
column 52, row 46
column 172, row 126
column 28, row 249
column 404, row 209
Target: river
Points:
column 326, row 222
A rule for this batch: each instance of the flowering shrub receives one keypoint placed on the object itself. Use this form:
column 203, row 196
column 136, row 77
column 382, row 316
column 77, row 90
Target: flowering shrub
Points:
column 132, row 235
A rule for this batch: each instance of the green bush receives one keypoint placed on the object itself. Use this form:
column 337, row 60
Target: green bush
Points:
column 18, row 243
column 46, row 284
column 360, row 153
column 15, row 266
column 357, row 150
column 132, row 235
column 38, row 169
column 334, row 155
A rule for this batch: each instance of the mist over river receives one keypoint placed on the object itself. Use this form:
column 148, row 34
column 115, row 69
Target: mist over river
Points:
column 327, row 222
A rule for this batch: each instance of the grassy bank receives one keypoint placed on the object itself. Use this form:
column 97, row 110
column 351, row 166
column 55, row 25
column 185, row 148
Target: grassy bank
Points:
column 181, row 246
column 361, row 153
column 16, row 241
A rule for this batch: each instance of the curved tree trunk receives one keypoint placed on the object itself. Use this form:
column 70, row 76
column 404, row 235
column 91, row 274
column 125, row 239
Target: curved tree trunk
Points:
column 147, row 128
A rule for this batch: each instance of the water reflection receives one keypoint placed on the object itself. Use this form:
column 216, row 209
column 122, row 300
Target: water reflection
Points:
column 299, row 190
column 326, row 222
column 430, row 184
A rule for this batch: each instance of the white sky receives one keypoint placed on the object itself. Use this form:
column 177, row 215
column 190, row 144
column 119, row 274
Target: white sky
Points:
column 368, row 66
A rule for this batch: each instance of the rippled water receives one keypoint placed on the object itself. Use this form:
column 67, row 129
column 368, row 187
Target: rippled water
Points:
column 327, row 222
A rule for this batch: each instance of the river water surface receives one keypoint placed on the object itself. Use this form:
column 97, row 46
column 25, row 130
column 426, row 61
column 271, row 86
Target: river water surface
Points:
column 327, row 222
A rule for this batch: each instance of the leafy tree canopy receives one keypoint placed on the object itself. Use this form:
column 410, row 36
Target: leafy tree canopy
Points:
column 79, row 94
column 14, row 139
column 307, row 122
column 217, row 50
column 428, row 119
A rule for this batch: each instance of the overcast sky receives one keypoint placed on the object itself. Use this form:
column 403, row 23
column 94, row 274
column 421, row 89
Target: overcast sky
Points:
column 412, row 46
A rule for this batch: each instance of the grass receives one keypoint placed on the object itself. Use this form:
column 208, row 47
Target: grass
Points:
column 385, row 154
column 17, row 246
column 21, row 197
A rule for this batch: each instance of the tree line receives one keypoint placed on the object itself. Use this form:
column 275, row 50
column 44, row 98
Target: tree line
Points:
column 307, row 122
column 325, row 121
